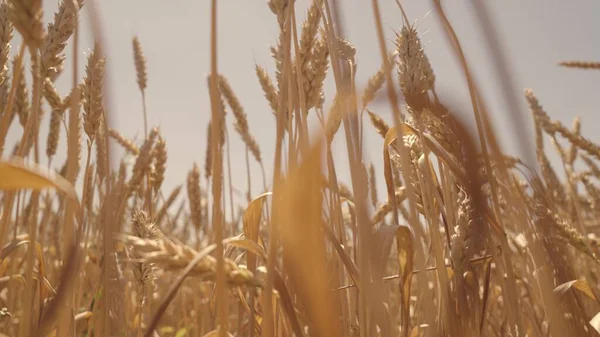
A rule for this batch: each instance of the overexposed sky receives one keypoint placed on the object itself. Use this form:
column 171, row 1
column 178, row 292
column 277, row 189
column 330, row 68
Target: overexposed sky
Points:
column 536, row 34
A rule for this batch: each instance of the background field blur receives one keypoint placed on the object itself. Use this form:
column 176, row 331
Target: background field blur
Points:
column 175, row 37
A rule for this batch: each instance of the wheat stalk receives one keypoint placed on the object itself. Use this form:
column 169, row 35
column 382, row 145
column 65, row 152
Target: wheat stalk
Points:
column 165, row 207
column 208, row 152
column 372, row 185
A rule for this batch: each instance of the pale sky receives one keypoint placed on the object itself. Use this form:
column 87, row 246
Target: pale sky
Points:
column 536, row 34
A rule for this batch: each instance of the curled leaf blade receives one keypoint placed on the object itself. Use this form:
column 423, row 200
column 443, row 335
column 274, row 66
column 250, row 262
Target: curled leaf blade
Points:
column 251, row 217
column 248, row 245
column 16, row 174
column 582, row 285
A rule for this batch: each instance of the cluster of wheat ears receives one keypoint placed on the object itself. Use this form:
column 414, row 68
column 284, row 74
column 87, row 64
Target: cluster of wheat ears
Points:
column 468, row 241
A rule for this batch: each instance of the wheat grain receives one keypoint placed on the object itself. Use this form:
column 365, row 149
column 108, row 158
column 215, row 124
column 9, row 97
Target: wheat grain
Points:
column 308, row 53
column 344, row 192
column 142, row 163
column 375, row 83
column 555, row 127
column 92, row 92
column 440, row 125
column 383, row 210
column 51, row 94
column 316, row 76
column 548, row 173
column 345, row 49
column 169, row 255
column 241, row 120
column 334, row 119
column 143, row 228
column 89, row 192
column 4, row 92
column 572, row 236
column 6, row 33
column 194, row 196
column 592, row 191
column 278, row 57
column 592, row 166
column 580, row 64
column 466, row 241
column 267, row 86
column 310, row 28
column 21, row 102
column 59, row 33
column 67, row 99
column 160, row 163
column 101, row 151
column 56, row 117
column 140, row 64
column 26, row 16
column 380, row 125
column 414, row 71
column 278, row 8
column 124, row 142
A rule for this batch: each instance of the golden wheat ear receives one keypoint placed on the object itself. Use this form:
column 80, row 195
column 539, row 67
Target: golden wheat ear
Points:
column 581, row 65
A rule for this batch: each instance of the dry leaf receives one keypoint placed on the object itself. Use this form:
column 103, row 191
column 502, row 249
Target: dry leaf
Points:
column 251, row 222
column 334, row 119
column 251, row 218
column 248, row 245
column 16, row 174
column 390, row 137
column 404, row 236
column 83, row 315
column 581, row 285
column 595, row 322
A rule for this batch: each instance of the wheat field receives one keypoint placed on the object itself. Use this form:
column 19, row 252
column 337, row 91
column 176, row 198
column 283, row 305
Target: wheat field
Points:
column 465, row 240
